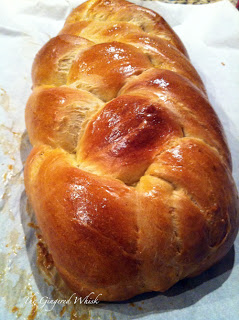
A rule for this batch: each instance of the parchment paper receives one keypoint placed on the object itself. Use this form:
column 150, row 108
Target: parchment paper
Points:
column 211, row 35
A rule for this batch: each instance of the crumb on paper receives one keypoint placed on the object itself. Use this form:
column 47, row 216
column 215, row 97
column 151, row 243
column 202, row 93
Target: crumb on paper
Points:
column 15, row 309
column 44, row 258
column 62, row 311
column 33, row 313
column 32, row 225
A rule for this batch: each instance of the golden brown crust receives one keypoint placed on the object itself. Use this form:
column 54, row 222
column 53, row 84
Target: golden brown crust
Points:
column 92, row 223
column 121, row 10
column 188, row 104
column 130, row 176
column 127, row 129
column 54, row 115
column 94, row 72
column 53, row 60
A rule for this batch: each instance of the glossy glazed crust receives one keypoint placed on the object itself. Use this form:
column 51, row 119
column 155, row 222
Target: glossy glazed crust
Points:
column 130, row 174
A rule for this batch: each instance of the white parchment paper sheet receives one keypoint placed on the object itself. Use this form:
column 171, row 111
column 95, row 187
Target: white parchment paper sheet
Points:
column 211, row 35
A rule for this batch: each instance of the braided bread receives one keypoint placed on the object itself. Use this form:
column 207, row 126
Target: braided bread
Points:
column 130, row 174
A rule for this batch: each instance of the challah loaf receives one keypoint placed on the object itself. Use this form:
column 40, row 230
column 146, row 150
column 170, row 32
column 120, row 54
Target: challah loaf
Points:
column 130, row 174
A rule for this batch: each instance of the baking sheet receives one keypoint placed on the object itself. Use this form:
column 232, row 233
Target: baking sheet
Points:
column 211, row 36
